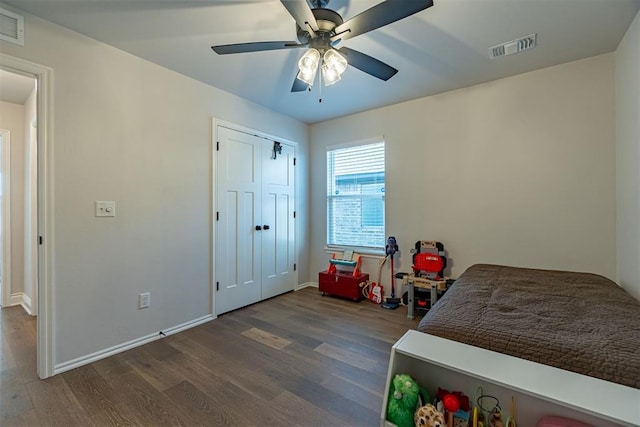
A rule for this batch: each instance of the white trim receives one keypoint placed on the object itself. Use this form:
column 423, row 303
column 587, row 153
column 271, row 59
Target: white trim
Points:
column 46, row 273
column 26, row 304
column 5, row 202
column 14, row 299
column 250, row 131
column 360, row 250
column 102, row 354
column 46, row 269
column 212, row 216
column 305, row 285
column 366, row 141
column 20, row 298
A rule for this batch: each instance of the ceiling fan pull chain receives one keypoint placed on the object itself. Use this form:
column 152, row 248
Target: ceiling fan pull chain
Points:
column 320, row 85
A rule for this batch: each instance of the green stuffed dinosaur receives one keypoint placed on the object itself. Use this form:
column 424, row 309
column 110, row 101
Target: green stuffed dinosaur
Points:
column 403, row 399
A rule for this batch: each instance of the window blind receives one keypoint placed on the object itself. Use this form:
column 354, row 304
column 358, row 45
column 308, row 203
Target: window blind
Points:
column 355, row 196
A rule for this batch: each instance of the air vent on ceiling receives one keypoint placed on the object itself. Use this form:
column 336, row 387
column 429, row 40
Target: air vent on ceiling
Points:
column 514, row 46
column 11, row 27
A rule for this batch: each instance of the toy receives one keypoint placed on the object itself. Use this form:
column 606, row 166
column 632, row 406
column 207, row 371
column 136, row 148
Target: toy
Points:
column 403, row 400
column 494, row 415
column 451, row 404
column 392, row 302
column 376, row 293
column 495, row 419
column 457, row 407
column 429, row 416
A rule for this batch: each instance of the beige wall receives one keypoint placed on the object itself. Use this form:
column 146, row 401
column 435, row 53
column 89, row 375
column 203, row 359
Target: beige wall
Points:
column 518, row 171
column 127, row 130
column 12, row 119
column 628, row 158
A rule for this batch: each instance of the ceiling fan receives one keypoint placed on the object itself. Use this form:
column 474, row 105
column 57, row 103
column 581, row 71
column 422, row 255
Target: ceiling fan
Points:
column 322, row 30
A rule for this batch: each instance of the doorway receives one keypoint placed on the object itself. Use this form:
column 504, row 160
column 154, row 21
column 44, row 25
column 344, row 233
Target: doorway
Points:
column 31, row 172
column 18, row 110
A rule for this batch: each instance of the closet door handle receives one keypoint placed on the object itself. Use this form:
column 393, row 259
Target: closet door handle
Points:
column 266, row 227
column 258, row 228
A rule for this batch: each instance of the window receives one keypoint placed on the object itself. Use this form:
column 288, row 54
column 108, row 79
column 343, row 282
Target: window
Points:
column 355, row 196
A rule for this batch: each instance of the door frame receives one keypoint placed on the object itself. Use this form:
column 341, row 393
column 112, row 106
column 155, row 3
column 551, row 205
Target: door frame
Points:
column 46, row 309
column 213, row 192
column 5, row 242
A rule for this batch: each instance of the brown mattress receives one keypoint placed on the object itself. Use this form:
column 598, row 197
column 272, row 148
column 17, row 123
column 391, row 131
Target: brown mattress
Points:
column 580, row 322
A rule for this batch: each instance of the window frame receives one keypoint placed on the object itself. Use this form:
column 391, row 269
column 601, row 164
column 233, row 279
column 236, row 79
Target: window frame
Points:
column 373, row 250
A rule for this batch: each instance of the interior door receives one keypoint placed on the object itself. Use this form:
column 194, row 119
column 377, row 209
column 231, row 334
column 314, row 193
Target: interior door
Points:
column 278, row 206
column 239, row 171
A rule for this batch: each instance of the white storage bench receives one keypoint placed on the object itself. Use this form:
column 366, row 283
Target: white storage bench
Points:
column 538, row 389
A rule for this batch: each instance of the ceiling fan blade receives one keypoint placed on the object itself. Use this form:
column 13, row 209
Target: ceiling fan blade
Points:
column 299, row 85
column 378, row 16
column 368, row 64
column 301, row 12
column 226, row 49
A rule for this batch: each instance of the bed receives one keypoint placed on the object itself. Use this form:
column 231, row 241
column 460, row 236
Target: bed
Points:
column 579, row 322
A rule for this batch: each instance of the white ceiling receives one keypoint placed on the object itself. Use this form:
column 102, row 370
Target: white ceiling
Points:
column 437, row 50
column 15, row 88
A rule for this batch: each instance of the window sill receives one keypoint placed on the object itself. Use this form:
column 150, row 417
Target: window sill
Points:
column 367, row 252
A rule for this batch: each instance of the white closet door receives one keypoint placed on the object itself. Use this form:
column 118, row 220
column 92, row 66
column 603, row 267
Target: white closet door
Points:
column 238, row 256
column 278, row 205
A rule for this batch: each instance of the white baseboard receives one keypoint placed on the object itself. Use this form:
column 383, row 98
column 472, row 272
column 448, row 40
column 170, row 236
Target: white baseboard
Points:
column 305, row 285
column 20, row 298
column 90, row 358
column 26, row 304
column 15, row 299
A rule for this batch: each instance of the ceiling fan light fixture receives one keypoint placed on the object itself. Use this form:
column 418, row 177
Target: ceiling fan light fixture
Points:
column 309, row 62
column 307, row 76
column 323, row 29
column 330, row 75
column 335, row 61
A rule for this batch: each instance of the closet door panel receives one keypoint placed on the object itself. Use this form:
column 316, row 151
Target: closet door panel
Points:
column 238, row 204
column 278, row 188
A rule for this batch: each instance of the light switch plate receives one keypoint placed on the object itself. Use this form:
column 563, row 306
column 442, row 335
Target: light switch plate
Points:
column 144, row 300
column 105, row 208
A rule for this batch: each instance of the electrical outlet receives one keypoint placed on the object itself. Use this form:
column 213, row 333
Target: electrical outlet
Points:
column 144, row 300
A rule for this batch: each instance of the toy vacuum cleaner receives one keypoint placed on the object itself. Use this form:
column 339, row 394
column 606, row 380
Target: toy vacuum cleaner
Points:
column 392, row 302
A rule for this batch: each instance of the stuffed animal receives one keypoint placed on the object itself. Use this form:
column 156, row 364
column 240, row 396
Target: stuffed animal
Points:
column 403, row 400
column 429, row 416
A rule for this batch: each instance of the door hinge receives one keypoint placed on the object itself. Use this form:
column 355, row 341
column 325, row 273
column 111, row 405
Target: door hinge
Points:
column 217, row 145
column 295, row 267
column 218, row 216
column 217, row 286
column 294, row 214
column 294, row 161
column 39, row 240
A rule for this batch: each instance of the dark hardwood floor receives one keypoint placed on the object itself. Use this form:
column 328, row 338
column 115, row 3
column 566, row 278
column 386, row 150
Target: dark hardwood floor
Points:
column 297, row 359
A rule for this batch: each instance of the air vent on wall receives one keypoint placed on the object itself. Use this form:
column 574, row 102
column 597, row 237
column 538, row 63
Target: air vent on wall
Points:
column 11, row 27
column 514, row 46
